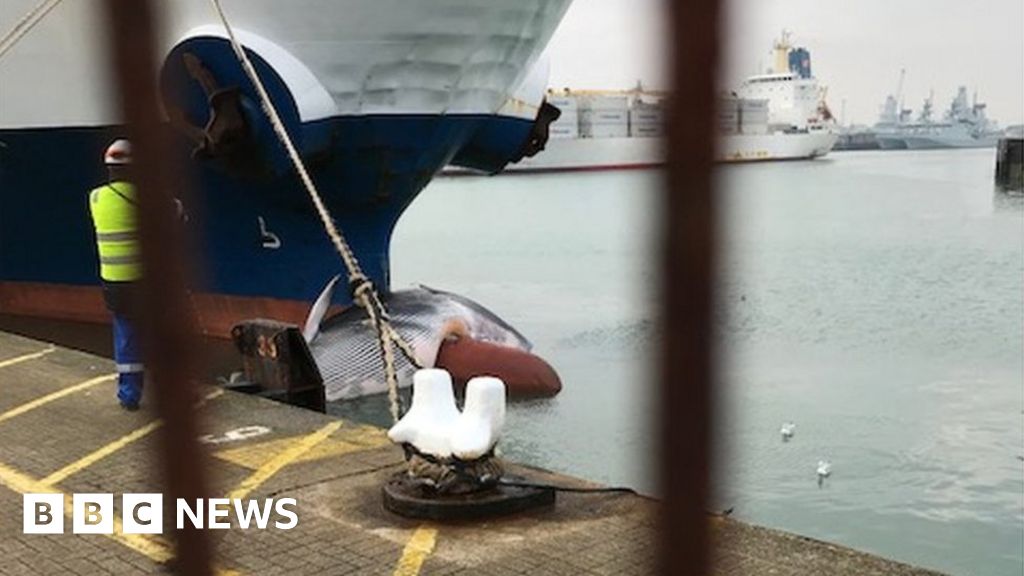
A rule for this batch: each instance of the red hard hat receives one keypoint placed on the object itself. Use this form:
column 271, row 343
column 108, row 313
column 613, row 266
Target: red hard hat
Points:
column 119, row 152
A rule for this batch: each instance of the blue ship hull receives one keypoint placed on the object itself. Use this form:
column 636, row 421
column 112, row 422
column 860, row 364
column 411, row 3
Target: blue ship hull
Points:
column 261, row 246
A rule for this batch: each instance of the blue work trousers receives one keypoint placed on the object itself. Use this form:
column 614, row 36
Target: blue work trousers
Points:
column 129, row 361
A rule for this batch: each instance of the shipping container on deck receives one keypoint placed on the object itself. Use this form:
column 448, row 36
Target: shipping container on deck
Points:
column 568, row 124
column 646, row 120
column 603, row 116
column 753, row 116
column 728, row 115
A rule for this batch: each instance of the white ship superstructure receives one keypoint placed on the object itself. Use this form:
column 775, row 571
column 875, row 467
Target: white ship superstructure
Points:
column 780, row 115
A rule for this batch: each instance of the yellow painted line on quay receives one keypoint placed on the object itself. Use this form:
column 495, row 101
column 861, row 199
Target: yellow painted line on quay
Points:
column 24, row 484
column 284, row 458
column 21, row 483
column 353, row 438
column 416, row 551
column 25, row 357
column 152, row 547
column 104, row 451
column 101, row 453
column 29, row 406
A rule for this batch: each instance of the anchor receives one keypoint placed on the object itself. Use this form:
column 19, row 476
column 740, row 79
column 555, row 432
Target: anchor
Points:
column 227, row 136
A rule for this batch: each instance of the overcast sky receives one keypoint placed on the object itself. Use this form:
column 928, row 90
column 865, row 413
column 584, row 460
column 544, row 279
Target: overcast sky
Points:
column 857, row 48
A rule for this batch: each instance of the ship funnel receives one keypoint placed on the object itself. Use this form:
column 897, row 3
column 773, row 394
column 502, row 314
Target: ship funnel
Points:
column 800, row 62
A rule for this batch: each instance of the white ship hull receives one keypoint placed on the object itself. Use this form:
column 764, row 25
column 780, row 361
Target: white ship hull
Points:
column 775, row 146
column 351, row 57
column 574, row 154
column 581, row 154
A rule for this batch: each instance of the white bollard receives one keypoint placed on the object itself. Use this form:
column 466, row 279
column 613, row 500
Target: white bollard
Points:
column 483, row 417
column 428, row 423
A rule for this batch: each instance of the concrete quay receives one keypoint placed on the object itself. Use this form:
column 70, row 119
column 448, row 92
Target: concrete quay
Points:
column 62, row 431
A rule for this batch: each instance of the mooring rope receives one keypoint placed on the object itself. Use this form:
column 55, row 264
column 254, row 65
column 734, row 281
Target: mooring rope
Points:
column 363, row 291
column 27, row 23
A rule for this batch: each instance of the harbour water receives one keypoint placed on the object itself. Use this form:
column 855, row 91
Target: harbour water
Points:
column 874, row 299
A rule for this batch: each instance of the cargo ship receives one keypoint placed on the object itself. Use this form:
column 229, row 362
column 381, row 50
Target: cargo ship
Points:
column 379, row 96
column 601, row 130
column 780, row 115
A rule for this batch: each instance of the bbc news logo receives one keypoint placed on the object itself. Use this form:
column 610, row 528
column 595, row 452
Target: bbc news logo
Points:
column 143, row 513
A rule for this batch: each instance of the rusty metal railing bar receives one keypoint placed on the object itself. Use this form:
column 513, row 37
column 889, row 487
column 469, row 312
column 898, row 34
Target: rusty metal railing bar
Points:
column 167, row 325
column 688, row 228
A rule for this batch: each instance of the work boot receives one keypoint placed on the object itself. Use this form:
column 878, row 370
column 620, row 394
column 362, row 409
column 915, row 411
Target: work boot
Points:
column 129, row 392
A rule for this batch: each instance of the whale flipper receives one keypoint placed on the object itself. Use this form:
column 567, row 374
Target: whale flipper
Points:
column 318, row 310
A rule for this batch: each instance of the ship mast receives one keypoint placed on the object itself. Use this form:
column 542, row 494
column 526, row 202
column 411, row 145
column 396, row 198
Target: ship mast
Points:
column 899, row 91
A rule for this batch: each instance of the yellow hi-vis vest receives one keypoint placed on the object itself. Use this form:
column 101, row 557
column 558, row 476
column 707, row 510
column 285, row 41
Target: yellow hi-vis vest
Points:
column 114, row 217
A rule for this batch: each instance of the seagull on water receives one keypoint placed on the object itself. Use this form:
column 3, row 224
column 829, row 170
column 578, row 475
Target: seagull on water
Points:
column 787, row 431
column 824, row 471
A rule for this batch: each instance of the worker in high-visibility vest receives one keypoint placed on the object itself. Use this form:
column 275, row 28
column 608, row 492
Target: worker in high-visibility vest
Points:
column 114, row 214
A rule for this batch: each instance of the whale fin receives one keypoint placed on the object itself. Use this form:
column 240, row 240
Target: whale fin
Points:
column 318, row 310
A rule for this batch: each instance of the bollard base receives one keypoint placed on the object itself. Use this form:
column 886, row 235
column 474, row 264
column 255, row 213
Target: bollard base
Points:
column 407, row 498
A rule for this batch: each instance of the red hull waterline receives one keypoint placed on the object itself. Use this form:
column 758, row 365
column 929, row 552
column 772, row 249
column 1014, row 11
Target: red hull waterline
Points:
column 215, row 313
column 47, row 310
